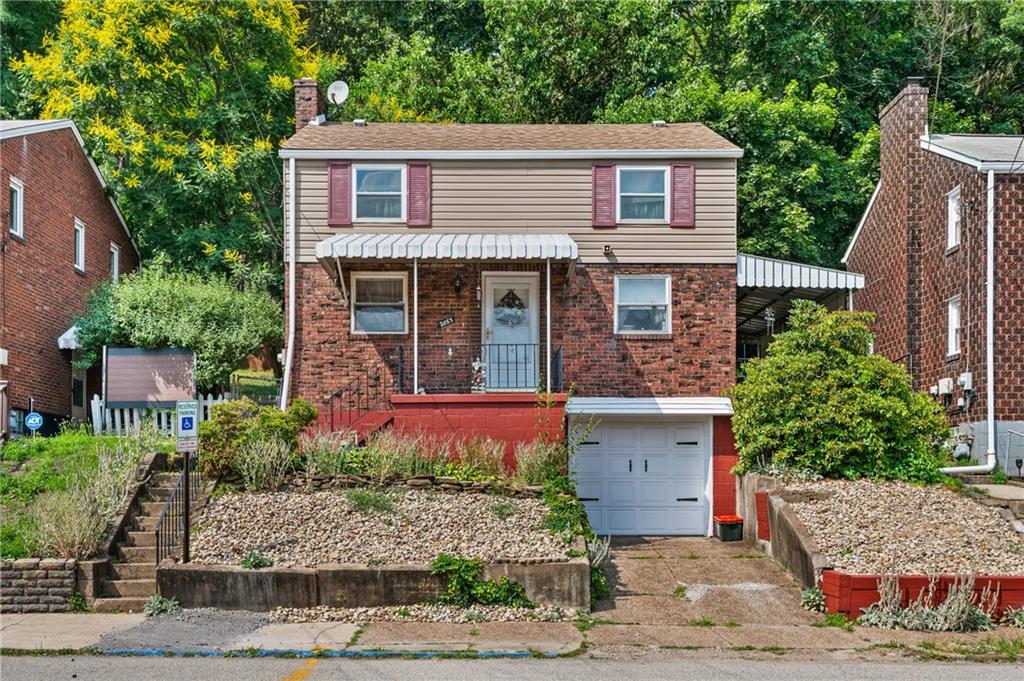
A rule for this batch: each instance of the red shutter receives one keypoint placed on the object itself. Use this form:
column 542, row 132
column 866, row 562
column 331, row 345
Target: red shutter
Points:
column 339, row 193
column 417, row 211
column 602, row 181
column 682, row 196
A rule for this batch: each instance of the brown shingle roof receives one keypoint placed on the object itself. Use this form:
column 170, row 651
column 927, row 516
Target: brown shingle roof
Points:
column 502, row 137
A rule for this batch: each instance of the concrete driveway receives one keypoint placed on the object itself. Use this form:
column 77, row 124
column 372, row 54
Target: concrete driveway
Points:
column 724, row 583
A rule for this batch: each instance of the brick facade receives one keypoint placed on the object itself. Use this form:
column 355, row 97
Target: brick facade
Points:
column 42, row 292
column 697, row 360
column 911, row 275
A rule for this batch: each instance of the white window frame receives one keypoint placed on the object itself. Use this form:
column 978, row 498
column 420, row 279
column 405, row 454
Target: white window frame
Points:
column 954, row 218
column 79, row 246
column 619, row 195
column 115, row 262
column 354, row 292
column 16, row 225
column 953, row 331
column 668, row 305
column 403, row 195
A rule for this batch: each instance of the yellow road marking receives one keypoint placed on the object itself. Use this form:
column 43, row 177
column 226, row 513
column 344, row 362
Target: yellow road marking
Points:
column 302, row 672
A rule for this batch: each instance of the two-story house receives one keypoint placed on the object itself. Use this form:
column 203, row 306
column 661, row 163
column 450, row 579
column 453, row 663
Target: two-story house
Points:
column 440, row 276
column 62, row 236
column 941, row 245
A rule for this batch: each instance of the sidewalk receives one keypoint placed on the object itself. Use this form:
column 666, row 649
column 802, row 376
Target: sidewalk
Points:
column 233, row 633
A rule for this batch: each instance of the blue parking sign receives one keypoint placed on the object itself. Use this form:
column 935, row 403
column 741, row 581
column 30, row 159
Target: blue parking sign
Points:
column 187, row 423
column 34, row 421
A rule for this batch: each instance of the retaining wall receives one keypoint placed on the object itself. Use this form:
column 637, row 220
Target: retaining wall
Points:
column 558, row 583
column 36, row 585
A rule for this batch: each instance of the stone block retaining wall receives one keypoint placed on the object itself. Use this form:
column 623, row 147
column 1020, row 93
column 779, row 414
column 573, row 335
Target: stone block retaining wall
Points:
column 36, row 585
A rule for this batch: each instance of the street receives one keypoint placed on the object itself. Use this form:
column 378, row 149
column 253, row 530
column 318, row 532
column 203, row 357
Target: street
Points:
column 104, row 668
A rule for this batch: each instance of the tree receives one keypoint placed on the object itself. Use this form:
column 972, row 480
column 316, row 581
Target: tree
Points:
column 819, row 402
column 156, row 308
column 182, row 103
column 23, row 23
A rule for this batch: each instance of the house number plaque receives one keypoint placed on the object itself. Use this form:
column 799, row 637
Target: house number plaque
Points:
column 447, row 321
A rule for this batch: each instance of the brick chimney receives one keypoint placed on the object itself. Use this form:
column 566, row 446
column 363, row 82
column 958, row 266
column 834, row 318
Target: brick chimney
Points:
column 309, row 102
column 903, row 121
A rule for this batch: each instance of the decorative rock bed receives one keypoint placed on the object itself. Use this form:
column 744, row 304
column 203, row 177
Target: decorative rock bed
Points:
column 297, row 529
column 866, row 527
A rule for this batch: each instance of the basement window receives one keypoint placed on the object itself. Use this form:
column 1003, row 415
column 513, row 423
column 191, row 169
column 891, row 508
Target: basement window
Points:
column 953, row 219
column 643, row 304
column 953, row 327
column 379, row 302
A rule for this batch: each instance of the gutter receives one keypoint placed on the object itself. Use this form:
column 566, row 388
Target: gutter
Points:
column 990, row 372
column 289, row 353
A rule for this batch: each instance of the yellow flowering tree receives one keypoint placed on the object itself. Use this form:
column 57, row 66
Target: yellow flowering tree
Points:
column 183, row 104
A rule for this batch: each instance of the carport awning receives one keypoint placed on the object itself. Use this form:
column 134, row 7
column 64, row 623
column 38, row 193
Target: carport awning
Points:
column 69, row 339
column 652, row 406
column 448, row 247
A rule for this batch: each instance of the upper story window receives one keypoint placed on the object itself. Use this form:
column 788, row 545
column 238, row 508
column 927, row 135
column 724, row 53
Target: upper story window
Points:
column 379, row 193
column 79, row 245
column 379, row 302
column 16, row 224
column 643, row 304
column 642, row 194
column 953, row 210
column 953, row 326
column 115, row 262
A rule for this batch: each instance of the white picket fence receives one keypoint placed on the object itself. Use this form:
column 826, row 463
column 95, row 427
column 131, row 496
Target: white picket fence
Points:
column 123, row 421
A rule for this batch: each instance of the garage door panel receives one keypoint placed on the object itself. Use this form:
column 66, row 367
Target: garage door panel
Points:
column 620, row 494
column 618, row 437
column 621, row 520
column 688, row 466
column 589, row 463
column 668, row 520
column 654, row 438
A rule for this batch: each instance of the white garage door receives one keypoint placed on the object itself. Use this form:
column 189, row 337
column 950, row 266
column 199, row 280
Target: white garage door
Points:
column 645, row 476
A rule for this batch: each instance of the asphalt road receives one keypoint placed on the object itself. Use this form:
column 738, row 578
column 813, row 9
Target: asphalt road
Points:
column 271, row 669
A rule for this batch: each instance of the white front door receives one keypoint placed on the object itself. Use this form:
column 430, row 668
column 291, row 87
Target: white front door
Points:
column 510, row 331
column 645, row 476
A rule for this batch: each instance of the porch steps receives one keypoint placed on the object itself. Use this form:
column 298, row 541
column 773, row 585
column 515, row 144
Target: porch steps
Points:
column 133, row 577
column 371, row 422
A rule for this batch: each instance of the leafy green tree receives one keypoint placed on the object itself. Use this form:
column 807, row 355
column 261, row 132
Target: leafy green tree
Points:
column 819, row 402
column 156, row 308
column 23, row 23
column 183, row 104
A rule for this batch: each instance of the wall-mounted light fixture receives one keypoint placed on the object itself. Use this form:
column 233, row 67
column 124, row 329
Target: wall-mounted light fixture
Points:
column 457, row 283
column 607, row 249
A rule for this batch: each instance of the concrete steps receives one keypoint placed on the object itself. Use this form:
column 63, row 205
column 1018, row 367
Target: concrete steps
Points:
column 119, row 604
column 142, row 538
column 134, row 588
column 132, row 571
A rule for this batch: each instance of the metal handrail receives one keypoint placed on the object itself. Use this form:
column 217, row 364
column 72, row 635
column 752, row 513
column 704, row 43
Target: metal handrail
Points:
column 371, row 388
column 470, row 367
column 173, row 523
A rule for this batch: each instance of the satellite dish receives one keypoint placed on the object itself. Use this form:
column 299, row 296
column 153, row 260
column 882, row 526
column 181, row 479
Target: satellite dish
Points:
column 337, row 93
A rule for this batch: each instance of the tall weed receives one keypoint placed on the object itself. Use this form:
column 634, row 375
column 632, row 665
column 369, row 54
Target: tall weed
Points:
column 264, row 464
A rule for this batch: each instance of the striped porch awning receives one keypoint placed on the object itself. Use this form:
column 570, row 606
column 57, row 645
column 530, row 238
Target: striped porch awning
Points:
column 448, row 247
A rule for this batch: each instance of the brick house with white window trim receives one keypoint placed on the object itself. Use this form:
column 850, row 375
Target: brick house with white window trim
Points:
column 922, row 246
column 439, row 276
column 62, row 236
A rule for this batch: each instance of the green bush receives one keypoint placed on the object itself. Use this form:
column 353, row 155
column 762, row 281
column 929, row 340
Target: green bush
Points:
column 264, row 463
column 465, row 587
column 330, row 454
column 157, row 308
column 819, row 402
column 233, row 424
column 255, row 561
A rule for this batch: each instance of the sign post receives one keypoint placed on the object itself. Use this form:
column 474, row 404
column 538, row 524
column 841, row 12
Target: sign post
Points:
column 186, row 432
column 33, row 421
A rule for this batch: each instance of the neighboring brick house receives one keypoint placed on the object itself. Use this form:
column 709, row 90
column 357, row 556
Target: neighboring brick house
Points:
column 62, row 236
column 444, row 274
column 922, row 247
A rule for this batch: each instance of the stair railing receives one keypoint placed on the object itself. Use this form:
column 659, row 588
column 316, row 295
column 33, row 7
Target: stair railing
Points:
column 372, row 388
column 172, row 526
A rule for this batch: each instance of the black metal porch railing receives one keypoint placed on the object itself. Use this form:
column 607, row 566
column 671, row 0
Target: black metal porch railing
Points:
column 370, row 390
column 172, row 528
column 466, row 367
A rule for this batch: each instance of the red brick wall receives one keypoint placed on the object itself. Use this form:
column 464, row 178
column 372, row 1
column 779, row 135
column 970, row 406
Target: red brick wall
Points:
column 910, row 276
column 699, row 358
column 41, row 291
column 723, row 458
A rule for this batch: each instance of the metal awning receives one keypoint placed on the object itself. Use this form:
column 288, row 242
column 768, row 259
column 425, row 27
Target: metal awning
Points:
column 448, row 247
column 764, row 284
column 644, row 406
column 69, row 339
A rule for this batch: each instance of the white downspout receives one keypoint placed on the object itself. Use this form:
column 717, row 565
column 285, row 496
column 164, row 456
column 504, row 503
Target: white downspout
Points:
column 415, row 326
column 990, row 370
column 286, row 381
column 547, row 317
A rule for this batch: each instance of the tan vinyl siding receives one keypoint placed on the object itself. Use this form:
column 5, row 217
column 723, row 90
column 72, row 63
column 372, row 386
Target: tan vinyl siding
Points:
column 543, row 197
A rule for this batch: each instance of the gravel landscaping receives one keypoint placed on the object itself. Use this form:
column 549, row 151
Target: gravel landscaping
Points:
column 423, row 613
column 894, row 528
column 306, row 529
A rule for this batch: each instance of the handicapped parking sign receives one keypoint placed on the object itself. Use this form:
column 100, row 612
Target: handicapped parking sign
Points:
column 34, row 421
column 186, row 425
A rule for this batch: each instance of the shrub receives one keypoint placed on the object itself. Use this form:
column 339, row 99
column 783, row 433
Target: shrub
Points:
column 155, row 308
column 234, row 423
column 819, row 402
column 961, row 611
column 813, row 599
column 466, row 588
column 264, row 463
column 255, row 561
column 330, row 454
column 540, row 460
column 158, row 605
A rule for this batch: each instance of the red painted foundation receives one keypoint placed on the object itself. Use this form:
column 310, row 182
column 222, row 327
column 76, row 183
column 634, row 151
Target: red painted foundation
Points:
column 512, row 417
column 764, row 528
column 849, row 594
column 723, row 458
